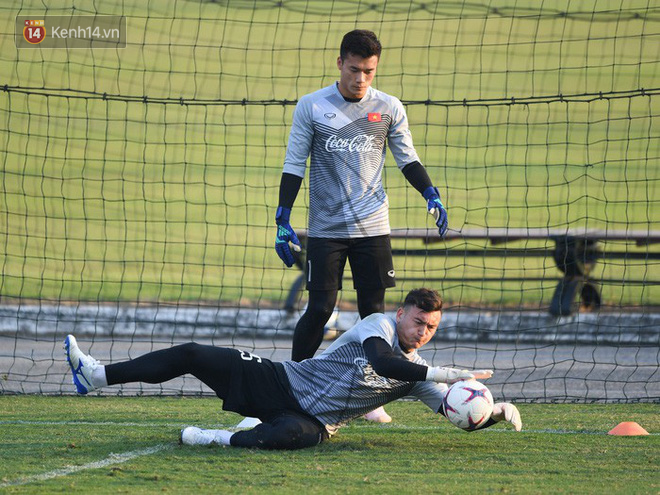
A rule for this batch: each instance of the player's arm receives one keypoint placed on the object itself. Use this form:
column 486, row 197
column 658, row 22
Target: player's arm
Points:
column 295, row 164
column 402, row 148
column 416, row 174
column 386, row 363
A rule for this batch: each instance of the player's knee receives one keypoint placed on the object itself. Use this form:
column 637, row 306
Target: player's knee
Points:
column 290, row 433
column 321, row 308
column 190, row 351
column 284, row 433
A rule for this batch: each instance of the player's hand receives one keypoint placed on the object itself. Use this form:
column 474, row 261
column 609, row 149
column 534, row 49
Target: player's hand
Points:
column 440, row 374
column 451, row 375
column 482, row 374
column 285, row 235
column 436, row 208
column 504, row 411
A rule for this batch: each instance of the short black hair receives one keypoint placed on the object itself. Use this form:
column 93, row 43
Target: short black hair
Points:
column 428, row 300
column 360, row 42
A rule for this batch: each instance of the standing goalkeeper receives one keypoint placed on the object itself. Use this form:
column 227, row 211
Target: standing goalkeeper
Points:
column 345, row 129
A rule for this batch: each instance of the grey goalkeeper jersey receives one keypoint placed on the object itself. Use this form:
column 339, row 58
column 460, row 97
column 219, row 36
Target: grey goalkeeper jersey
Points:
column 340, row 384
column 346, row 143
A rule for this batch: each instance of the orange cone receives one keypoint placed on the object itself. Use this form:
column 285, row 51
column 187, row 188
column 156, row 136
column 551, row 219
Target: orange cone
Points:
column 628, row 428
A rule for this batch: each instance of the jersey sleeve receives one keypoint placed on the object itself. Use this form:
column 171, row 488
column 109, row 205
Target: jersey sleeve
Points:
column 377, row 325
column 399, row 137
column 387, row 363
column 300, row 139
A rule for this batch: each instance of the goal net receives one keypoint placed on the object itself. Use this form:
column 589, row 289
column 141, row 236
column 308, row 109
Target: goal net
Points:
column 140, row 179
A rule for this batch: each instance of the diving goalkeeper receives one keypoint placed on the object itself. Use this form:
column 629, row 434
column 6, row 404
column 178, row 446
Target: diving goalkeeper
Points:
column 303, row 403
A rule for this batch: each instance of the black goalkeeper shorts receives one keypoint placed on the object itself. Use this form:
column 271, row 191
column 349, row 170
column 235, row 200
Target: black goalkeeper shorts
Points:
column 370, row 259
column 258, row 387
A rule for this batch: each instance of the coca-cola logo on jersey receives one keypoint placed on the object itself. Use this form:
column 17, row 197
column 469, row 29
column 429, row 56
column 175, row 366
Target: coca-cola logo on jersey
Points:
column 361, row 143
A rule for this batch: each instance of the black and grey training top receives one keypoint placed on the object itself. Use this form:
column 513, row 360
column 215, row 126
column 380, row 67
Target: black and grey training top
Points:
column 339, row 384
column 346, row 142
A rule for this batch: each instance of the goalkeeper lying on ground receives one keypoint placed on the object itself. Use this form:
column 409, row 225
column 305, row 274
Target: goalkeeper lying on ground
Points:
column 301, row 404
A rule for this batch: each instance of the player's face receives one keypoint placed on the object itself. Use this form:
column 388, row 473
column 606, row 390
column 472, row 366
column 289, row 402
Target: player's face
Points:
column 416, row 327
column 356, row 75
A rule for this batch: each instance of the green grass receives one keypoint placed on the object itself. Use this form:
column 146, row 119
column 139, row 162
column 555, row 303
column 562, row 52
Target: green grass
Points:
column 108, row 200
column 563, row 449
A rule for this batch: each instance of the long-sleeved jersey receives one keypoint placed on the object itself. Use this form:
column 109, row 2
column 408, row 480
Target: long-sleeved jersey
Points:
column 340, row 384
column 346, row 142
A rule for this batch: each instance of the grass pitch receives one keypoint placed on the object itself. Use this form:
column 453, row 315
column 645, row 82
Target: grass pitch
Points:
column 66, row 444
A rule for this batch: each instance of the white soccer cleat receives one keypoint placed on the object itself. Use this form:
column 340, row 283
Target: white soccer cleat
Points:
column 191, row 435
column 378, row 416
column 81, row 366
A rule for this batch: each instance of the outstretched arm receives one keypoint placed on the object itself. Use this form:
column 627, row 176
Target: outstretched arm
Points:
column 384, row 362
column 387, row 364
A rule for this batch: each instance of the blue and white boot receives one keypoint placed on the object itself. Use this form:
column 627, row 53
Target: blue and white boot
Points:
column 82, row 366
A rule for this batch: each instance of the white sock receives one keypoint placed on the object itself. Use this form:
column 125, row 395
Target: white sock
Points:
column 98, row 377
column 221, row 437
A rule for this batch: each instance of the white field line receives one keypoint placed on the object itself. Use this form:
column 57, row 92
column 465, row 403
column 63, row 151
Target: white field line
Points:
column 111, row 460
column 392, row 426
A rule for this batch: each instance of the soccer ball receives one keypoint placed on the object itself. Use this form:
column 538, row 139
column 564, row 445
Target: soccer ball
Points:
column 468, row 404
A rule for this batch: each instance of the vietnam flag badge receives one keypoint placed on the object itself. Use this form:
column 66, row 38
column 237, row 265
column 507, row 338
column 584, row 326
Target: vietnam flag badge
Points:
column 374, row 117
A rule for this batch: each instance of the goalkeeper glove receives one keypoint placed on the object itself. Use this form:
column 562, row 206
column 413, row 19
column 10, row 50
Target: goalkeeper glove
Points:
column 450, row 375
column 285, row 234
column 507, row 412
column 436, row 208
